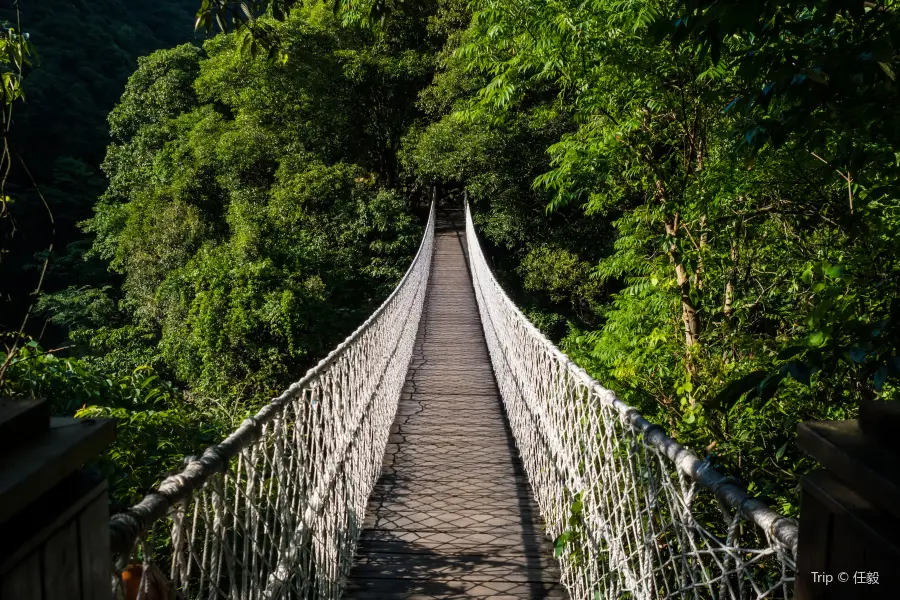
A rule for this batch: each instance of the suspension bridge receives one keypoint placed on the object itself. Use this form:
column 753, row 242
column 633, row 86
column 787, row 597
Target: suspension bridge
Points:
column 446, row 449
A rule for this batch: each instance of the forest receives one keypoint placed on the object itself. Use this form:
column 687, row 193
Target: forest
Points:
column 698, row 201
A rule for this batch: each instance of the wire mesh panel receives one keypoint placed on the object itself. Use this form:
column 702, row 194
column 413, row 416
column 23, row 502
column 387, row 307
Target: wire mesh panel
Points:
column 276, row 509
column 636, row 515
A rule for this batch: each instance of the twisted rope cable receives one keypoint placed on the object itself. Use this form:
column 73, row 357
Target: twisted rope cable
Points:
column 288, row 488
column 638, row 513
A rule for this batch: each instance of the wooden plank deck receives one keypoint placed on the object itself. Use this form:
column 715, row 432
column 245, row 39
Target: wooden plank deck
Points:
column 452, row 515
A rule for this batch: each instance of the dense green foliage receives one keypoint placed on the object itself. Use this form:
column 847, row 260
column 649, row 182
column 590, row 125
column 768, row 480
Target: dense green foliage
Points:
column 251, row 220
column 730, row 265
column 697, row 200
column 244, row 210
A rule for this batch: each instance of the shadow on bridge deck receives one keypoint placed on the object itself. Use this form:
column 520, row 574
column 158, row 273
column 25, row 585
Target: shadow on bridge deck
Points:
column 452, row 515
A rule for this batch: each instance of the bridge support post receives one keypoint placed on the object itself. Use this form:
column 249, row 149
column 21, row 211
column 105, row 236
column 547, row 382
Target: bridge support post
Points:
column 849, row 543
column 54, row 515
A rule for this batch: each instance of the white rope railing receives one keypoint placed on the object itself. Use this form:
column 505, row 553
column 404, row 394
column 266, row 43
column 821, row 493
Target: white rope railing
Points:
column 276, row 509
column 636, row 514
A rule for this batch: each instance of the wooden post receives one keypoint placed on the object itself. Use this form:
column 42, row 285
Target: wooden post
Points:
column 850, row 512
column 54, row 514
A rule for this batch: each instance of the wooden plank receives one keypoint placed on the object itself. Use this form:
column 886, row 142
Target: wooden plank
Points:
column 68, row 526
column 93, row 545
column 857, row 459
column 452, row 515
column 23, row 581
column 60, row 568
column 815, row 535
column 33, row 468
column 435, row 589
column 24, row 535
column 857, row 536
column 22, row 420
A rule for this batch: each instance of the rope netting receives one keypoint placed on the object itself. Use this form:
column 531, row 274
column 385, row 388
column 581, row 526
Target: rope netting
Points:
column 636, row 515
column 275, row 510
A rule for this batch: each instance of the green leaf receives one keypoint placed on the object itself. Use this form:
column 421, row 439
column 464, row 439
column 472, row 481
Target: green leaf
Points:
column 834, row 272
column 800, row 372
column 559, row 544
column 769, row 386
column 817, row 339
column 790, row 352
column 780, row 452
column 732, row 392
column 577, row 506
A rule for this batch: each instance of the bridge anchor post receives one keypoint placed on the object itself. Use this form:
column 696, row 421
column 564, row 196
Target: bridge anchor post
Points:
column 849, row 544
column 54, row 514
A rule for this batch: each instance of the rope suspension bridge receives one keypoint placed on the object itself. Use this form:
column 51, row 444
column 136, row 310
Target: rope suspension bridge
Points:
column 439, row 452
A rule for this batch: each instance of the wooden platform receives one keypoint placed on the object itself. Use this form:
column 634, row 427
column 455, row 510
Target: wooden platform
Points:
column 452, row 515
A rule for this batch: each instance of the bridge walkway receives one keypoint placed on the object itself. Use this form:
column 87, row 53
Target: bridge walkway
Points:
column 452, row 515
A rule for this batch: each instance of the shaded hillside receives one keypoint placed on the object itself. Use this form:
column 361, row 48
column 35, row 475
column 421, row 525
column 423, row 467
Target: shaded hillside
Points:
column 85, row 54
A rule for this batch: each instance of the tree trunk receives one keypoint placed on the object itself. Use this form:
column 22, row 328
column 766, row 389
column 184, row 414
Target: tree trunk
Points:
column 701, row 246
column 688, row 311
column 728, row 304
column 728, row 307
